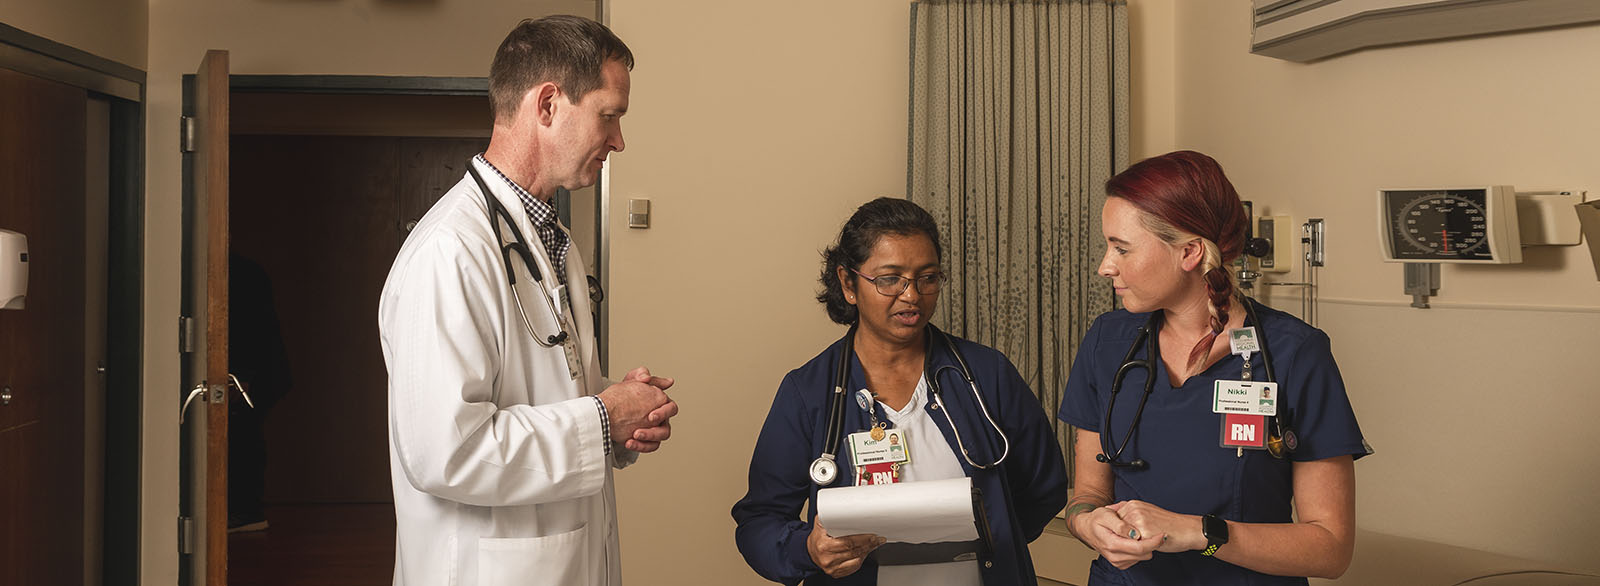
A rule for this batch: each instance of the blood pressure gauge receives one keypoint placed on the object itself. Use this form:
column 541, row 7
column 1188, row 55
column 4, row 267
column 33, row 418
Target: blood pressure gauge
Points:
column 1450, row 225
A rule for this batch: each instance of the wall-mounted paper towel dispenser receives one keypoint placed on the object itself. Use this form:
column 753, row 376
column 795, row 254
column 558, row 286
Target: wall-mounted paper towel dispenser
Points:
column 13, row 269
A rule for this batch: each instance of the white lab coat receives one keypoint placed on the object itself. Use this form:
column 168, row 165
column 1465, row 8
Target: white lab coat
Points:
column 495, row 452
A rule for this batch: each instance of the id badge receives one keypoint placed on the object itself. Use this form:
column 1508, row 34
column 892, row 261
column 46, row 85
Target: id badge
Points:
column 568, row 346
column 1245, row 397
column 891, row 449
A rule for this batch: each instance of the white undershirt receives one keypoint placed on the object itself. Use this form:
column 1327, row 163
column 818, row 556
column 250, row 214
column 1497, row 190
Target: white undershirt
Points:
column 931, row 459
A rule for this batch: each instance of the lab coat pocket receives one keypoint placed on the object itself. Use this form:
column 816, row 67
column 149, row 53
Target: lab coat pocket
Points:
column 561, row 559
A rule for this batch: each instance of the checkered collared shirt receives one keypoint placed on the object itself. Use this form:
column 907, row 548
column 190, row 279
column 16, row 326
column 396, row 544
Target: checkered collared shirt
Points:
column 543, row 216
column 556, row 241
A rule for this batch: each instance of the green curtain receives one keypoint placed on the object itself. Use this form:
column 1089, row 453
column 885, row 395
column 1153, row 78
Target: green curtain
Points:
column 1019, row 114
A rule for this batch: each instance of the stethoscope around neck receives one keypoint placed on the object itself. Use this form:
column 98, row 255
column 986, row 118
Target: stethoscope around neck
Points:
column 519, row 245
column 824, row 470
column 1281, row 438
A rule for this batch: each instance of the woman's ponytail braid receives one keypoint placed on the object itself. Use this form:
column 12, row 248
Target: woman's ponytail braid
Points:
column 1219, row 287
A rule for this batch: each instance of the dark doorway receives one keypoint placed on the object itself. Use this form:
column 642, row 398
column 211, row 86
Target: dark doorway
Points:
column 322, row 188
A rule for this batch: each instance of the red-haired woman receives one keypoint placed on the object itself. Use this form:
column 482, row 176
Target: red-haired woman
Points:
column 1226, row 453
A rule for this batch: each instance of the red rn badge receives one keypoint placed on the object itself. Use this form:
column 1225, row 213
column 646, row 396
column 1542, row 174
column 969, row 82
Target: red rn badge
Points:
column 1244, row 431
column 880, row 473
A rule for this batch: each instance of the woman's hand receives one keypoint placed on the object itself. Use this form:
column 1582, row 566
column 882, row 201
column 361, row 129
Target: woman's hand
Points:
column 1108, row 533
column 839, row 556
column 1178, row 532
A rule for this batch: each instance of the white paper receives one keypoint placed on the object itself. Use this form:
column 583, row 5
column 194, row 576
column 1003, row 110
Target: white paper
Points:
column 933, row 511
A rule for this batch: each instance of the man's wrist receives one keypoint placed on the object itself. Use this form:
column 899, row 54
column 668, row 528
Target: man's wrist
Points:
column 605, row 424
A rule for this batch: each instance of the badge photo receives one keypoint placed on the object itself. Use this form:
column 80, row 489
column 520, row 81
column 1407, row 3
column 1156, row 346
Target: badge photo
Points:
column 899, row 452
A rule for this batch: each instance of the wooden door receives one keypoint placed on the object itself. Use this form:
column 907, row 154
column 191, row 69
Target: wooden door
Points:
column 206, row 287
column 42, row 161
column 328, row 437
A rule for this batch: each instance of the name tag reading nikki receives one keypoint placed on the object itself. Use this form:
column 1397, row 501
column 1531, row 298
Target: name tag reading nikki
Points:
column 1245, row 397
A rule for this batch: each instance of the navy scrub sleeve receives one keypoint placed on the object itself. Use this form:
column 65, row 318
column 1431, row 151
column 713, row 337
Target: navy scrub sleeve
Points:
column 1081, row 404
column 1036, row 471
column 1323, row 418
column 769, row 535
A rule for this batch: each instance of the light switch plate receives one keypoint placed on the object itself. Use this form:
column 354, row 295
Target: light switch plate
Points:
column 638, row 213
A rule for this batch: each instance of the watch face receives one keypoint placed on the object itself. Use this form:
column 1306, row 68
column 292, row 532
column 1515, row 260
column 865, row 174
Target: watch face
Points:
column 1215, row 529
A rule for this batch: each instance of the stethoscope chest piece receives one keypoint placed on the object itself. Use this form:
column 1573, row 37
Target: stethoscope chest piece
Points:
column 824, row 471
column 1280, row 445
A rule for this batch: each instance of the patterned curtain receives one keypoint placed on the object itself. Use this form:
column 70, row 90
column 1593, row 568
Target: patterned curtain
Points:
column 1019, row 114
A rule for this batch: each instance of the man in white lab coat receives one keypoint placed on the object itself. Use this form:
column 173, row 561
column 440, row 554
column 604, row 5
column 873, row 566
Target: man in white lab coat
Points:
column 502, row 433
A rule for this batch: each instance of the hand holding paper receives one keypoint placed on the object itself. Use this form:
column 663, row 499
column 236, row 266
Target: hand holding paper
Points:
column 839, row 556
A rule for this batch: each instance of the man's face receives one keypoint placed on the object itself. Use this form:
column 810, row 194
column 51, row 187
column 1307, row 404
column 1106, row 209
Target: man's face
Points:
column 586, row 132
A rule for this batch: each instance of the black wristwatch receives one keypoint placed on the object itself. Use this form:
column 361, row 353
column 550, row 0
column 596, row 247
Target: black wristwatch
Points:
column 1216, row 531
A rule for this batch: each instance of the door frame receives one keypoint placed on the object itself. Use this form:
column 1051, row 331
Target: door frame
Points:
column 124, row 87
column 365, row 85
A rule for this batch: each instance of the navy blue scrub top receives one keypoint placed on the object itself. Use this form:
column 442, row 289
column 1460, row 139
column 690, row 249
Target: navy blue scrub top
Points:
column 1020, row 496
column 1180, row 437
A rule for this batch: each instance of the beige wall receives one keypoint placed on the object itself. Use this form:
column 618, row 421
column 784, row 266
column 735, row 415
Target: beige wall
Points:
column 113, row 29
column 1480, row 409
column 1153, row 108
column 754, row 137
column 753, row 157
column 354, row 37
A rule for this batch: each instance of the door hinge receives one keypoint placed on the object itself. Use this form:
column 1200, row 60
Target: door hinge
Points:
column 186, row 134
column 185, row 334
column 185, row 535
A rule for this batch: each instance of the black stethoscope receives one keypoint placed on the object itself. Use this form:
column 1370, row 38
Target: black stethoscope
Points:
column 519, row 245
column 824, row 469
column 1280, row 437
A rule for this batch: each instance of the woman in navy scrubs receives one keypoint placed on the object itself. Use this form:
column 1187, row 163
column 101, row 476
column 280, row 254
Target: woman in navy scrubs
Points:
column 1186, row 502
column 883, row 278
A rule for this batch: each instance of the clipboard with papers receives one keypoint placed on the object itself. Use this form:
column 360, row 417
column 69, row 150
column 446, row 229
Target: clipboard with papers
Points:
column 928, row 522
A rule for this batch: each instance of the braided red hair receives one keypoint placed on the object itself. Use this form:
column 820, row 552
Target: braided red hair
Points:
column 1183, row 195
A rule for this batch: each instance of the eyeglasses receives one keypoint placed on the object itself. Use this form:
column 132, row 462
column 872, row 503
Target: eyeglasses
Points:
column 894, row 285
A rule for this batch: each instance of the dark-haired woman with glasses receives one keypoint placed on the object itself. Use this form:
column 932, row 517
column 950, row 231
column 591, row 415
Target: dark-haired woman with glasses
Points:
column 882, row 278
